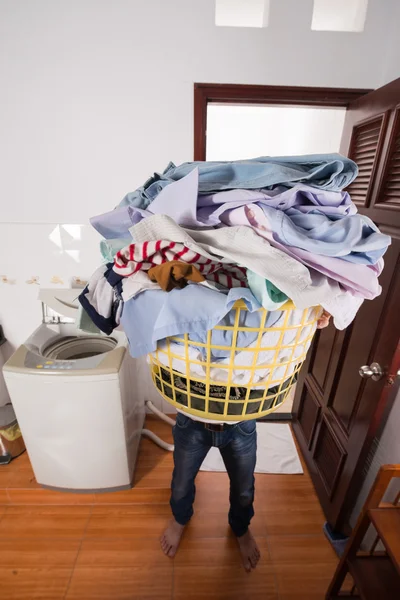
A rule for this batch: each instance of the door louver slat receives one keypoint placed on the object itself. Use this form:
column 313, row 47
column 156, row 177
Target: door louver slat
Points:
column 363, row 151
column 390, row 194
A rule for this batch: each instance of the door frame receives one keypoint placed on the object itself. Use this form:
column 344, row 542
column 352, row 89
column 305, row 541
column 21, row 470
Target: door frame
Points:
column 317, row 97
column 223, row 93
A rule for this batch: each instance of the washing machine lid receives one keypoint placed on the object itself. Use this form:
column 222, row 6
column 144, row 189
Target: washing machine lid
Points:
column 57, row 347
column 56, row 350
column 64, row 302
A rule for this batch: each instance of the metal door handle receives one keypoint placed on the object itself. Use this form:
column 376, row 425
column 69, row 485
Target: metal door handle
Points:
column 374, row 372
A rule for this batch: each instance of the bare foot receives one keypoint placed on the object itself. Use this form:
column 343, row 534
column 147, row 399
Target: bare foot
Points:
column 248, row 550
column 171, row 538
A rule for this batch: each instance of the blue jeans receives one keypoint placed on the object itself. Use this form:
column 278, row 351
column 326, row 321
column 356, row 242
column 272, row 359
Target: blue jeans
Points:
column 238, row 446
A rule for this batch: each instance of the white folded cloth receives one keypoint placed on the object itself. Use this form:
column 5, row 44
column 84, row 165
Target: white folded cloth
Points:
column 294, row 345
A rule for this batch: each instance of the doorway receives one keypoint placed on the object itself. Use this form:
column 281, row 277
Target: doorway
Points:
column 225, row 112
column 338, row 416
column 234, row 122
column 237, row 131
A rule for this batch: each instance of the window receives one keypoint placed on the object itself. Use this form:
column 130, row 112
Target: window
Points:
column 243, row 131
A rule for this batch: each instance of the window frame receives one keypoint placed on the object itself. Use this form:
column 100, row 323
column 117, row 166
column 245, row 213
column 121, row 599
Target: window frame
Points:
column 205, row 93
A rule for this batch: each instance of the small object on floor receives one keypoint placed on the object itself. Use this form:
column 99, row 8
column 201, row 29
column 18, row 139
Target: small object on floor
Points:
column 337, row 540
column 11, row 441
column 276, row 452
column 5, row 457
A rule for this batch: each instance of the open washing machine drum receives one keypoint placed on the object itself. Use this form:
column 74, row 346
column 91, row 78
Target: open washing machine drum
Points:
column 78, row 347
column 65, row 345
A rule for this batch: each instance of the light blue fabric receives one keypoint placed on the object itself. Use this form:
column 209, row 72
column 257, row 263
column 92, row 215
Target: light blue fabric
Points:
column 322, row 223
column 115, row 223
column 154, row 315
column 325, row 171
column 300, row 198
column 109, row 248
column 355, row 238
column 265, row 292
column 181, row 201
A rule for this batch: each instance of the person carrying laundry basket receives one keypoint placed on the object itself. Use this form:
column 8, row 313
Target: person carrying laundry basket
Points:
column 221, row 272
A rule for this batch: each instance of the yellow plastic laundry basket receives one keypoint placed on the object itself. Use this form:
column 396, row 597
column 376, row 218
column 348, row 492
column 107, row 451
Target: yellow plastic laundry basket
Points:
column 251, row 382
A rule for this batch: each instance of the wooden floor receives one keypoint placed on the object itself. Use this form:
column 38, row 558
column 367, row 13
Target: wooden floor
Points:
column 105, row 546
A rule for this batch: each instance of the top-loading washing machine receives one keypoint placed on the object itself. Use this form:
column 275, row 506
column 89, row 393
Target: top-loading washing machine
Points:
column 77, row 401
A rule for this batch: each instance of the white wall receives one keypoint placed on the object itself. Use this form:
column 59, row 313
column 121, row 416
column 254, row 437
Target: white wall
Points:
column 97, row 94
column 391, row 59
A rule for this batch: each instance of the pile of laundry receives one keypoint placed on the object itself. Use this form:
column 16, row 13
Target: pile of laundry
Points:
column 182, row 249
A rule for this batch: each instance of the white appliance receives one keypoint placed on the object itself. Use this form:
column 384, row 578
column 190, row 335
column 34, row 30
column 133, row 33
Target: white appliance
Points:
column 78, row 405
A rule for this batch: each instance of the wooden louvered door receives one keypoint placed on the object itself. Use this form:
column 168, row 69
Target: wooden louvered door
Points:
column 365, row 143
column 339, row 415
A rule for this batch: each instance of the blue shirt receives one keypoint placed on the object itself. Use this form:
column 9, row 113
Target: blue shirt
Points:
column 331, row 172
column 353, row 238
column 154, row 315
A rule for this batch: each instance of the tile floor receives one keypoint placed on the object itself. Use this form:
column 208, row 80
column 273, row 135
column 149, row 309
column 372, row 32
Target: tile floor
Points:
column 57, row 546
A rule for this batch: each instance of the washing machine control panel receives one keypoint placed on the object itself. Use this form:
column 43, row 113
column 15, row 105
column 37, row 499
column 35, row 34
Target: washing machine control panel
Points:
column 51, row 364
column 40, row 363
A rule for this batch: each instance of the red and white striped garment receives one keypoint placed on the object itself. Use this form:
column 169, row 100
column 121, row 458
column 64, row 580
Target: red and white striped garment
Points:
column 142, row 257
